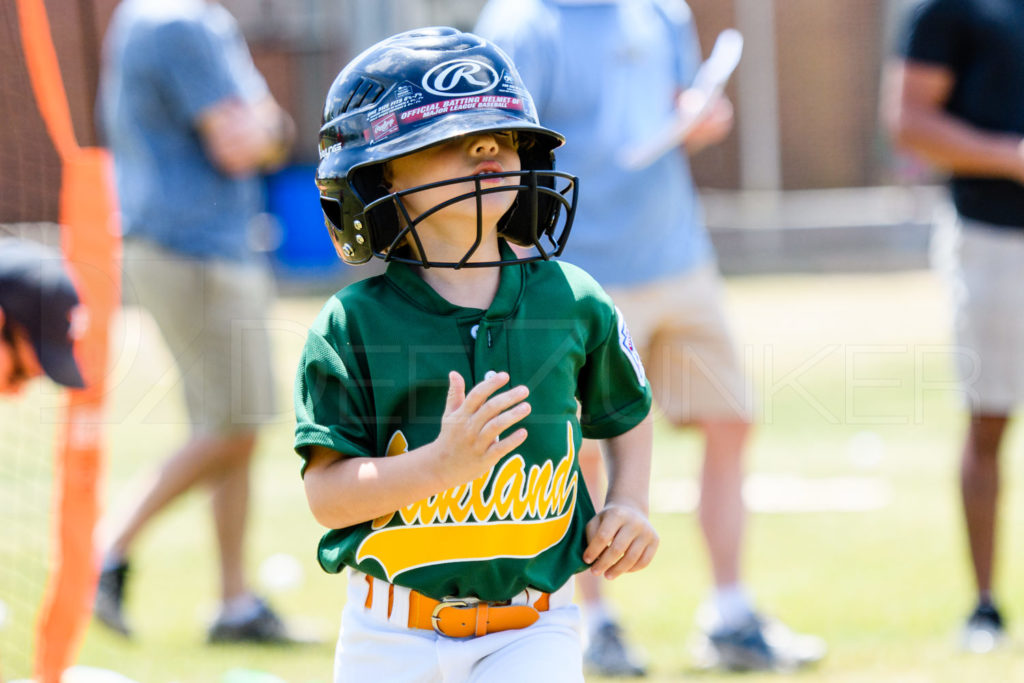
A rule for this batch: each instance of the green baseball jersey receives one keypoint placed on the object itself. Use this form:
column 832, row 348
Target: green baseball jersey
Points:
column 373, row 380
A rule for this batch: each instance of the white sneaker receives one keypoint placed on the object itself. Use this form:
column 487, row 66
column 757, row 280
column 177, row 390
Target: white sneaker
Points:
column 984, row 630
column 758, row 644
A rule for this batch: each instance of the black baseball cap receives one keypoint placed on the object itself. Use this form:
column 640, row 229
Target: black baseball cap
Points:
column 36, row 293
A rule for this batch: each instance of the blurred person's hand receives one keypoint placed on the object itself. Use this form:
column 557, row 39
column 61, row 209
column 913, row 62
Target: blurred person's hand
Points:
column 281, row 130
column 714, row 124
column 242, row 139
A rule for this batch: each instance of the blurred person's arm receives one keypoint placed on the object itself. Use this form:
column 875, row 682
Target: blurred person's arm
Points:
column 242, row 138
column 914, row 96
column 716, row 116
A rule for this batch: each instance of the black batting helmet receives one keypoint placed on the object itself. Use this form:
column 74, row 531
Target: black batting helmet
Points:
column 418, row 89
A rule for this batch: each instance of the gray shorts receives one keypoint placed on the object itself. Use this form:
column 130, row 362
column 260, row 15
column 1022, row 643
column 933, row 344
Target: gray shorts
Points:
column 212, row 315
column 983, row 265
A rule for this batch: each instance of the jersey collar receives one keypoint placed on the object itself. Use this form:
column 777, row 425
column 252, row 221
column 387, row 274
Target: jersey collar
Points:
column 413, row 287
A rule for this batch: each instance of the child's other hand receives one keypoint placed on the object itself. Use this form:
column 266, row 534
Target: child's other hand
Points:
column 468, row 442
column 620, row 539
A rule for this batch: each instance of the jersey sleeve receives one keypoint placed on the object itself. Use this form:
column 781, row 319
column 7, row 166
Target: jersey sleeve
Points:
column 935, row 33
column 613, row 390
column 331, row 402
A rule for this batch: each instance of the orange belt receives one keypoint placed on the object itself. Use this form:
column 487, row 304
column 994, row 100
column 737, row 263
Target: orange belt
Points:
column 457, row 618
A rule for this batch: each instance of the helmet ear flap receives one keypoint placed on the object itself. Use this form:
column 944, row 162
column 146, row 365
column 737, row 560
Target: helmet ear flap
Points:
column 351, row 249
column 517, row 225
column 368, row 185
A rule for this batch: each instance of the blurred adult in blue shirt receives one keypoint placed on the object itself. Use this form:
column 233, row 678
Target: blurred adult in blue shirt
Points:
column 191, row 124
column 611, row 74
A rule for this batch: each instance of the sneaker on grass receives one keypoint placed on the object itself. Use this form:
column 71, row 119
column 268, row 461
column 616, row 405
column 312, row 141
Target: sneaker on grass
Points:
column 109, row 602
column 758, row 644
column 262, row 626
column 984, row 630
column 608, row 655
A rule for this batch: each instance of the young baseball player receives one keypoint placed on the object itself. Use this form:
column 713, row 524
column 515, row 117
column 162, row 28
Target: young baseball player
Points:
column 440, row 406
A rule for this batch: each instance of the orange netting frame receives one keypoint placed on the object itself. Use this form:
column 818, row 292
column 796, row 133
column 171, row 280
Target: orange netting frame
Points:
column 90, row 240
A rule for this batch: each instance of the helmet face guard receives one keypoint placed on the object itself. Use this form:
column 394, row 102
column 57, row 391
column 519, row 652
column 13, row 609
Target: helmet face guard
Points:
column 416, row 90
column 543, row 212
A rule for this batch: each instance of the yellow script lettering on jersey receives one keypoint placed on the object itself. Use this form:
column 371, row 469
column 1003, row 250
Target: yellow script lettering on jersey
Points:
column 524, row 514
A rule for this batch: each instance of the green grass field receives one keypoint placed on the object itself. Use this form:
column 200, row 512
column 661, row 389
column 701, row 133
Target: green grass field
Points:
column 865, row 546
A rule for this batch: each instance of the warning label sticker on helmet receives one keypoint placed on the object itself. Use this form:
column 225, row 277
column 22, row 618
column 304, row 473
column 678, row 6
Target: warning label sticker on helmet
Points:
column 388, row 124
column 460, row 104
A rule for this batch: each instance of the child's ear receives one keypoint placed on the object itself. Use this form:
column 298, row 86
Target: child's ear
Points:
column 386, row 176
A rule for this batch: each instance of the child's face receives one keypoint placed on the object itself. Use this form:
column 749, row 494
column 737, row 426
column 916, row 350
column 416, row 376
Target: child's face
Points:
column 468, row 155
column 18, row 360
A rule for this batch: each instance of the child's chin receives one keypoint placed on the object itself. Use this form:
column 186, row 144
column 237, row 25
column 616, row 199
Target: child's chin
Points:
column 465, row 211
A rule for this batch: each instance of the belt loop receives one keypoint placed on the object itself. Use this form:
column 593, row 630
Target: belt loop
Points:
column 391, row 598
column 416, row 605
column 375, row 602
column 481, row 618
column 400, row 608
column 369, row 591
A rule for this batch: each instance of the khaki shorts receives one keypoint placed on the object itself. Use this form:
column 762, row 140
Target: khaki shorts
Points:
column 982, row 265
column 212, row 315
column 679, row 326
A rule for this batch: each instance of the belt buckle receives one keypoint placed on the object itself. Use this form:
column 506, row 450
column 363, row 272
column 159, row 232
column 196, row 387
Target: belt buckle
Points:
column 435, row 619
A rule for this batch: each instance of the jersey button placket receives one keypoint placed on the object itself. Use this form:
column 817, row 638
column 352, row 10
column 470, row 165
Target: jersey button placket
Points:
column 487, row 358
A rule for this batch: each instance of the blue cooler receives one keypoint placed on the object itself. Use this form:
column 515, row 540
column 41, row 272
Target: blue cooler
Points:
column 304, row 251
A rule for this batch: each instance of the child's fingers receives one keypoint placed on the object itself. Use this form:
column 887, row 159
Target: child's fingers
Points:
column 456, row 393
column 618, row 541
column 607, row 546
column 481, row 420
column 648, row 555
column 501, row 422
column 478, row 394
column 595, row 543
column 638, row 556
column 499, row 449
column 621, row 564
column 609, row 557
column 503, row 401
column 601, row 532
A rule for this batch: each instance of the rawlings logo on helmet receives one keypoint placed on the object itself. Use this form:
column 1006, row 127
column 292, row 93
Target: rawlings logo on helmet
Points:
column 460, row 77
